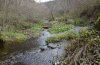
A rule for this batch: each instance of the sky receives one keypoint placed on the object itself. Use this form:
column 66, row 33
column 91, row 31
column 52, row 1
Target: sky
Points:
column 42, row 0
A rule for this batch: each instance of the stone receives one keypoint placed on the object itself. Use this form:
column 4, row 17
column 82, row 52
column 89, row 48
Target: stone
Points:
column 43, row 48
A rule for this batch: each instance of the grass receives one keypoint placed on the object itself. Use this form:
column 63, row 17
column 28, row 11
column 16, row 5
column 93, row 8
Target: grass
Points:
column 83, row 37
column 16, row 27
column 19, row 31
column 69, row 35
column 11, row 36
column 37, row 26
column 60, row 27
column 60, row 37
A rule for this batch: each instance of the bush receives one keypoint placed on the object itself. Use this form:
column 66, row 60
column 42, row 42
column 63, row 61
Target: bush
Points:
column 60, row 27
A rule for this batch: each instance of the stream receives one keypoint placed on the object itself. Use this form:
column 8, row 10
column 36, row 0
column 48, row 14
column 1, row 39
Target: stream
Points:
column 38, row 55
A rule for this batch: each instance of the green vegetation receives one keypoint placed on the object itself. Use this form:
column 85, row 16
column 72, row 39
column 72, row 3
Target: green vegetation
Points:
column 20, row 34
column 84, row 32
column 60, row 27
column 79, row 21
column 18, row 28
column 82, row 48
column 20, row 31
column 37, row 26
column 11, row 36
column 20, row 22
column 64, row 36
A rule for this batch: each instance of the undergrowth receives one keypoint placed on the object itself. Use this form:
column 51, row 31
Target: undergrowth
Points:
column 83, row 50
column 18, row 28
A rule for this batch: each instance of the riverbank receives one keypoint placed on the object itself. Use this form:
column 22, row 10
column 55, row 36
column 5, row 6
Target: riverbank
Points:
column 13, row 39
column 40, row 55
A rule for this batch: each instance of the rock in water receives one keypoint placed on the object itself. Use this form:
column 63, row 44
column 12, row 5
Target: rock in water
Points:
column 43, row 48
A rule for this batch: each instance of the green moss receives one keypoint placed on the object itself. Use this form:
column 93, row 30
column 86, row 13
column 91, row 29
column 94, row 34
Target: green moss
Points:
column 60, row 27
column 65, row 36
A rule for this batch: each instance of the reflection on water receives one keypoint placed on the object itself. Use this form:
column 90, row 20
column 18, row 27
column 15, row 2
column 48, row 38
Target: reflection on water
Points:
column 21, row 46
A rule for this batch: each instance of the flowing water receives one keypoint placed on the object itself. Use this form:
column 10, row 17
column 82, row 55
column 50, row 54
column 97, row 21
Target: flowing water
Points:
column 40, row 54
